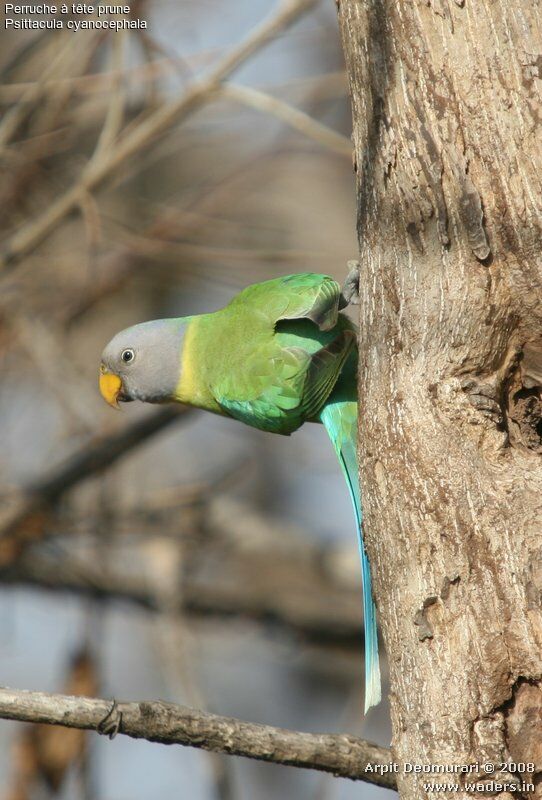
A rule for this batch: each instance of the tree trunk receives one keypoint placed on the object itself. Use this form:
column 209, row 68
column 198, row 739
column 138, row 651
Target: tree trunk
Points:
column 447, row 116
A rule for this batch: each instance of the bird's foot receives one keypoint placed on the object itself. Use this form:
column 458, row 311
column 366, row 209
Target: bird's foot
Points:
column 485, row 397
column 110, row 724
column 350, row 290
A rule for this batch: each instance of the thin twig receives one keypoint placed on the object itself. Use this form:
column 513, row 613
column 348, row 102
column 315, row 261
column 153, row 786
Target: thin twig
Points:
column 339, row 754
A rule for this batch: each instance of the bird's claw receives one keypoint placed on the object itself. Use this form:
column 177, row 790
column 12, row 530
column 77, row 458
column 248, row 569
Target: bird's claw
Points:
column 485, row 397
column 350, row 290
column 110, row 724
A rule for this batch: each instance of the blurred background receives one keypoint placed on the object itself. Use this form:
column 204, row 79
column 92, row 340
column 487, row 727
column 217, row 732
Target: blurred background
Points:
column 150, row 554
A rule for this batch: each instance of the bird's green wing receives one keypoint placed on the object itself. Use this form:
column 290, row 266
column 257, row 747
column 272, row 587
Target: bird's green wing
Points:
column 306, row 295
column 324, row 368
column 282, row 387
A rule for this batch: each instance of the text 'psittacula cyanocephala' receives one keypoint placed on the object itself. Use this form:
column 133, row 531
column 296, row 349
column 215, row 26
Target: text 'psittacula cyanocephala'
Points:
column 278, row 355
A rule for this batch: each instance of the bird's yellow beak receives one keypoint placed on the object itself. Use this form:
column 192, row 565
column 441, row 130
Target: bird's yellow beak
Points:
column 110, row 386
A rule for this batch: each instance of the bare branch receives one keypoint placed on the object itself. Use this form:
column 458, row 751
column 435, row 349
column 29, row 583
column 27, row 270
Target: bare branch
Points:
column 341, row 755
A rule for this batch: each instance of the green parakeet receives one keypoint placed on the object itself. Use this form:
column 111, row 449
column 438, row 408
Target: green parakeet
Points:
column 278, row 355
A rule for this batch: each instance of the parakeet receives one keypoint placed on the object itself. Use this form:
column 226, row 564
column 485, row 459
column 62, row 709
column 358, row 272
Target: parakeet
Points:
column 279, row 354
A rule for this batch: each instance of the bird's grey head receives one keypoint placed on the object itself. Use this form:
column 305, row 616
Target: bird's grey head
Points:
column 143, row 363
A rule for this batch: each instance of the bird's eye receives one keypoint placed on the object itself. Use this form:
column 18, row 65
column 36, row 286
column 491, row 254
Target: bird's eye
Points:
column 127, row 356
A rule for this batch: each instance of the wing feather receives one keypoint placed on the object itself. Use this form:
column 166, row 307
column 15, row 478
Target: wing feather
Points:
column 295, row 388
column 306, row 295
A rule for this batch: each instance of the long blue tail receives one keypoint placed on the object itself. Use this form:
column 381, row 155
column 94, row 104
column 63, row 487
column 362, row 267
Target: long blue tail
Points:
column 340, row 420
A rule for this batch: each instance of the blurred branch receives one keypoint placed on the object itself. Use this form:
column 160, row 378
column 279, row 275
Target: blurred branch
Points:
column 160, row 247
column 138, row 138
column 44, row 348
column 115, row 111
column 119, row 266
column 23, row 53
column 24, row 518
column 40, row 122
column 248, row 567
column 341, row 755
column 13, row 118
column 299, row 120
column 330, row 84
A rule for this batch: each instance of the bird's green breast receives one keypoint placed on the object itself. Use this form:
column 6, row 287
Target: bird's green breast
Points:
column 215, row 347
column 193, row 387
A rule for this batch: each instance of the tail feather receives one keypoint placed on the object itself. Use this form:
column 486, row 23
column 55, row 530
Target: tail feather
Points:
column 340, row 420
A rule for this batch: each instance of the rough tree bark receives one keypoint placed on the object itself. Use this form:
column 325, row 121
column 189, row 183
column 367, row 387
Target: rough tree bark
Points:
column 447, row 119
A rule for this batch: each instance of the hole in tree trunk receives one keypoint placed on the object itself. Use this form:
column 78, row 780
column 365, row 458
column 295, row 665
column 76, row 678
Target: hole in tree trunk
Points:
column 525, row 400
